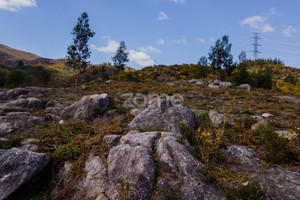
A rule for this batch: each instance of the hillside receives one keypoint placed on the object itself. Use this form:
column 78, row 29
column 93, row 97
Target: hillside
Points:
column 11, row 56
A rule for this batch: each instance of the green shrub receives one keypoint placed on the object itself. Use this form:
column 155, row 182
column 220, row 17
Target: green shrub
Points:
column 14, row 79
column 277, row 147
column 253, row 191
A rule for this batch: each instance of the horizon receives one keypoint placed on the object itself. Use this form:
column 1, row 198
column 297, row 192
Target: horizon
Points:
column 168, row 32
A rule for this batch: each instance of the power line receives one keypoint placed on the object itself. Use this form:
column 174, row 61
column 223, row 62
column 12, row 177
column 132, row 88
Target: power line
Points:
column 286, row 43
column 256, row 45
column 282, row 50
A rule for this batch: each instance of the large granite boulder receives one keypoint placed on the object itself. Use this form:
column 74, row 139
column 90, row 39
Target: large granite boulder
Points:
column 19, row 122
column 30, row 103
column 164, row 114
column 87, row 107
column 151, row 163
column 280, row 183
column 18, row 167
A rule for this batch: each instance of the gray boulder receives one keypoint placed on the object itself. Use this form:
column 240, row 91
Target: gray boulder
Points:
column 87, row 107
column 30, row 144
column 289, row 99
column 212, row 86
column 197, row 81
column 280, row 183
column 18, row 167
column 30, row 103
column 245, row 87
column 164, row 114
column 18, row 122
column 111, row 140
column 218, row 119
column 181, row 171
column 14, row 93
column 226, row 85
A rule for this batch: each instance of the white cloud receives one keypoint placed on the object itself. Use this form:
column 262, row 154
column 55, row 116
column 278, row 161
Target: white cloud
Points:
column 161, row 42
column 181, row 41
column 203, row 41
column 163, row 16
column 140, row 58
column 112, row 46
column 15, row 5
column 289, row 31
column 273, row 11
column 178, row 1
column 150, row 49
column 258, row 23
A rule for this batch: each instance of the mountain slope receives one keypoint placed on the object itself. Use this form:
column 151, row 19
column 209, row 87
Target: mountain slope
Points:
column 10, row 56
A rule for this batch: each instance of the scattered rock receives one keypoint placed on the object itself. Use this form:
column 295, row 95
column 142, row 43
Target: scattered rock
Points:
column 218, row 119
column 280, row 183
column 19, row 122
column 164, row 114
column 226, row 85
column 30, row 103
column 54, row 108
column 261, row 121
column 111, row 140
column 83, row 87
column 267, row 115
column 14, row 93
column 197, row 81
column 61, row 122
column 29, row 144
column 135, row 112
column 109, row 82
column 18, row 167
column 289, row 99
column 212, row 86
column 87, row 107
column 286, row 134
column 245, row 87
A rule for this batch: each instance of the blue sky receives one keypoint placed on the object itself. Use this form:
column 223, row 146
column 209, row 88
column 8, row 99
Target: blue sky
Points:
column 155, row 31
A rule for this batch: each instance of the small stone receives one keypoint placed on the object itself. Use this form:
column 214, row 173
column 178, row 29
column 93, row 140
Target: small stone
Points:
column 61, row 122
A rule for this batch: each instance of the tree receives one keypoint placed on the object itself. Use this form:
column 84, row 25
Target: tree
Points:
column 242, row 57
column 203, row 61
column 220, row 54
column 79, row 52
column 121, row 57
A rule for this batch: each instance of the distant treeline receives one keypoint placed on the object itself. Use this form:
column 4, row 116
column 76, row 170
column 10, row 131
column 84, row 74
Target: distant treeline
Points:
column 22, row 75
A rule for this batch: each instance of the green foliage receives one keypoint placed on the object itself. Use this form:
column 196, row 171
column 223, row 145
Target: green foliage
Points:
column 264, row 78
column 220, row 54
column 203, row 61
column 242, row 57
column 121, row 57
column 252, row 191
column 79, row 52
column 277, row 148
column 291, row 79
column 14, row 79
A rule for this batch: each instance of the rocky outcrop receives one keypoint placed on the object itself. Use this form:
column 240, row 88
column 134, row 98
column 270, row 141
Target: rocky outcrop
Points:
column 143, row 160
column 30, row 103
column 218, row 119
column 54, row 108
column 280, row 183
column 181, row 171
column 87, row 107
column 216, row 84
column 14, row 94
column 164, row 114
column 197, row 81
column 19, row 122
column 18, row 167
column 289, row 99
